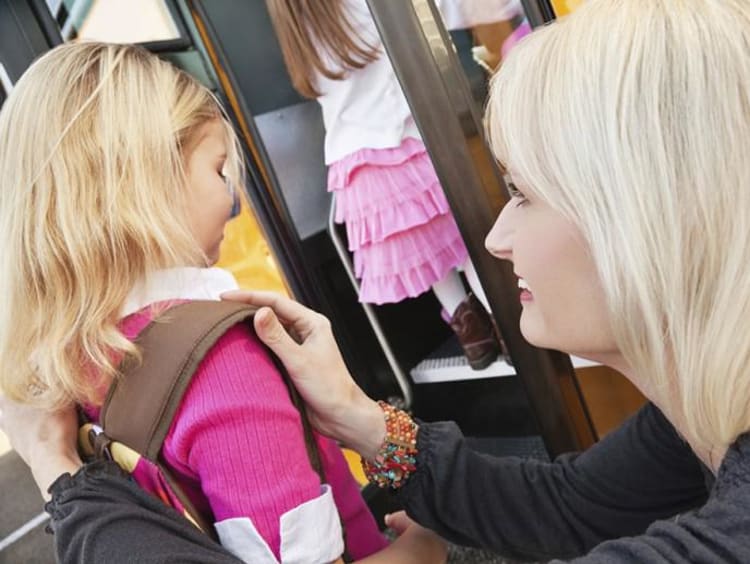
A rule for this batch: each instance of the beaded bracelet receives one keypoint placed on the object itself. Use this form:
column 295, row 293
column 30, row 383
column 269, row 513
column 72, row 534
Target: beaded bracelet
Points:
column 396, row 458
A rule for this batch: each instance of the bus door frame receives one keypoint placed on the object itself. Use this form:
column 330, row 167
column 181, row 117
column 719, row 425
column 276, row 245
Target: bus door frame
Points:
column 441, row 102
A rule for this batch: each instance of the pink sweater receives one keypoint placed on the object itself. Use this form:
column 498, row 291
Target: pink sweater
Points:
column 237, row 448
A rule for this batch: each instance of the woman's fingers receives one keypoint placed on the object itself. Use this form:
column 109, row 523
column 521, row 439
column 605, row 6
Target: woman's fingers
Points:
column 398, row 521
column 275, row 336
column 336, row 406
column 290, row 313
column 287, row 310
column 415, row 543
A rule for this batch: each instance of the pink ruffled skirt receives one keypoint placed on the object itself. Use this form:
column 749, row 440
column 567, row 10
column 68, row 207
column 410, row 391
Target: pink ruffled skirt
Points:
column 398, row 223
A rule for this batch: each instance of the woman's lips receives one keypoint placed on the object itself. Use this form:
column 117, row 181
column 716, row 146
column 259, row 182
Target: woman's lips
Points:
column 526, row 295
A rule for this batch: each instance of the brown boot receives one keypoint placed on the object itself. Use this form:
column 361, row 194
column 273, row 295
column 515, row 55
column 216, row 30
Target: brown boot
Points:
column 473, row 327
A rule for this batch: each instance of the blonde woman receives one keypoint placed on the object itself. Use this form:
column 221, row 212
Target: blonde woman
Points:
column 117, row 172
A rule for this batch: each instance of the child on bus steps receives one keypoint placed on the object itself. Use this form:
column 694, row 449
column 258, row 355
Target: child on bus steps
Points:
column 399, row 226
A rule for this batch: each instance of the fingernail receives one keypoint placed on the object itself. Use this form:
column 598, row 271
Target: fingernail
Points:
column 268, row 317
column 262, row 315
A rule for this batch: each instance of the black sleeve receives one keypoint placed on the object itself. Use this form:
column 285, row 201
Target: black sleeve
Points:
column 717, row 532
column 100, row 515
column 639, row 473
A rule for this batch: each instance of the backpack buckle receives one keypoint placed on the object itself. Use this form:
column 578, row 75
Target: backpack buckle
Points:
column 101, row 444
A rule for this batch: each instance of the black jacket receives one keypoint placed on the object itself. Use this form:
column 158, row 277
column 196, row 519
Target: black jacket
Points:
column 100, row 515
column 641, row 484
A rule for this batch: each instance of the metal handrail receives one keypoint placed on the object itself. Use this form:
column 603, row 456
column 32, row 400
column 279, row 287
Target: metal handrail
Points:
column 343, row 252
column 5, row 80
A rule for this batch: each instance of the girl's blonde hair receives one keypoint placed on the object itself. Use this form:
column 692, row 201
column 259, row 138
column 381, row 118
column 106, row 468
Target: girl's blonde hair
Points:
column 93, row 141
column 632, row 118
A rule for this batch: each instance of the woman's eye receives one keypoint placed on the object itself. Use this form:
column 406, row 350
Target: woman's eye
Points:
column 516, row 194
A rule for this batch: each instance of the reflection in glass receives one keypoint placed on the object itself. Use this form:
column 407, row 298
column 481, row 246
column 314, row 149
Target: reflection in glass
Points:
column 118, row 21
column 6, row 85
column 480, row 41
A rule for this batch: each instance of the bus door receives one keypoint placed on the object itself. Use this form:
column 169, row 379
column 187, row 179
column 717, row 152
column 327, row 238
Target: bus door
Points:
column 572, row 402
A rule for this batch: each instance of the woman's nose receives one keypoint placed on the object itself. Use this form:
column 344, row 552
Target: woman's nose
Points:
column 499, row 240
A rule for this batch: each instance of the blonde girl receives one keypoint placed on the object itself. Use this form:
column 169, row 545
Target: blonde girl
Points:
column 117, row 172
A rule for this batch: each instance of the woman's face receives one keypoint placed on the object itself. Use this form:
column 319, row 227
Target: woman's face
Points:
column 562, row 299
column 209, row 198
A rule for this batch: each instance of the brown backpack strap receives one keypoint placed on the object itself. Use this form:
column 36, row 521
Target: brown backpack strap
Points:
column 141, row 404
column 313, row 452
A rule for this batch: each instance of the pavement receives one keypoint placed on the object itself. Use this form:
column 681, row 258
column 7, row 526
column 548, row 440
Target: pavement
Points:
column 22, row 517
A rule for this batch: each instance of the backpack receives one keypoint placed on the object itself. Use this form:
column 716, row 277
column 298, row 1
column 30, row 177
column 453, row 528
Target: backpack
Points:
column 140, row 405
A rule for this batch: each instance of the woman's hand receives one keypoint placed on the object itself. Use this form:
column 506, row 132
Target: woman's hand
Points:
column 46, row 441
column 415, row 544
column 337, row 407
column 423, row 542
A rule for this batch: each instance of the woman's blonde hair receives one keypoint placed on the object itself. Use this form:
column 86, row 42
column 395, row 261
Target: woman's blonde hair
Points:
column 632, row 118
column 93, row 141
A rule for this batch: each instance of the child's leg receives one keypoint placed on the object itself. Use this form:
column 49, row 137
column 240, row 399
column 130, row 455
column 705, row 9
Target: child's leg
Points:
column 450, row 291
column 468, row 319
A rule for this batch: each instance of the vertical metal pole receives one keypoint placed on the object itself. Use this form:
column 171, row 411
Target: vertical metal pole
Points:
column 75, row 18
column 343, row 252
column 538, row 12
column 5, row 80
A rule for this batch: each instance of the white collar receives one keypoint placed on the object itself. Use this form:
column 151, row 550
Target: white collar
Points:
column 185, row 283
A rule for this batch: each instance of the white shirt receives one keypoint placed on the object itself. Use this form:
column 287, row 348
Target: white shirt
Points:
column 181, row 283
column 367, row 109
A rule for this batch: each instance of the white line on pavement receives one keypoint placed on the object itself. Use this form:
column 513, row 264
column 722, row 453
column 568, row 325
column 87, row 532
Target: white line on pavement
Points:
column 21, row 531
